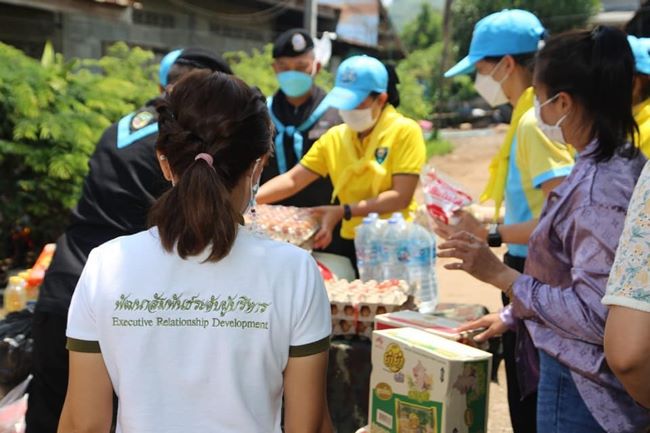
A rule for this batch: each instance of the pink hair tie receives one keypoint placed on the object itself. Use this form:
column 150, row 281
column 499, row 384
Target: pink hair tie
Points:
column 206, row 157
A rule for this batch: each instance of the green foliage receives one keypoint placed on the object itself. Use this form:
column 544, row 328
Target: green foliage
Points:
column 424, row 30
column 256, row 69
column 557, row 16
column 52, row 114
column 438, row 146
column 420, row 81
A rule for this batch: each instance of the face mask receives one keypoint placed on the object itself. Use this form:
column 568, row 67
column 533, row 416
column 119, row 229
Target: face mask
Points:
column 553, row 132
column 358, row 120
column 295, row 83
column 490, row 89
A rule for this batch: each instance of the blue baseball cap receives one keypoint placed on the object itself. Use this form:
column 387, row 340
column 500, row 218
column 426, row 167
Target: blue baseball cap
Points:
column 641, row 50
column 166, row 64
column 509, row 32
column 356, row 78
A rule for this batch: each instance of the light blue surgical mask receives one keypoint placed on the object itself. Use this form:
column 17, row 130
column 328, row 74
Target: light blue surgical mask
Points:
column 295, row 83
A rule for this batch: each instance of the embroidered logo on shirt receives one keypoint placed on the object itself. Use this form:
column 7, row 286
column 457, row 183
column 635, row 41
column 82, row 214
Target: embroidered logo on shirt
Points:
column 381, row 154
column 141, row 120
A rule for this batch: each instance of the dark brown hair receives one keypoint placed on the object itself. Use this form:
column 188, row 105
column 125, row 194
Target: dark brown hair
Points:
column 214, row 113
column 596, row 68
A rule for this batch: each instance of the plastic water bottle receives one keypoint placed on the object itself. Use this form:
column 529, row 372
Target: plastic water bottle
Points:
column 363, row 248
column 396, row 249
column 15, row 296
column 422, row 271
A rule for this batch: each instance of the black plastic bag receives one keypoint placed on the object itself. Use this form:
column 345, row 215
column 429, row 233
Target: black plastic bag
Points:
column 16, row 348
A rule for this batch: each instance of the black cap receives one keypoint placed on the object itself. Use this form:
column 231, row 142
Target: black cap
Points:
column 203, row 59
column 292, row 43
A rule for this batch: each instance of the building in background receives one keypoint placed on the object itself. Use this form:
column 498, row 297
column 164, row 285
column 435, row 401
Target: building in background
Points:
column 616, row 12
column 85, row 28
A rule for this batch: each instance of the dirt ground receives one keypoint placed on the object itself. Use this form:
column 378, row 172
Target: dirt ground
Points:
column 468, row 165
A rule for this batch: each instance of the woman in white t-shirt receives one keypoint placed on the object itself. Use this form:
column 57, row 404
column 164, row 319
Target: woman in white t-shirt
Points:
column 198, row 324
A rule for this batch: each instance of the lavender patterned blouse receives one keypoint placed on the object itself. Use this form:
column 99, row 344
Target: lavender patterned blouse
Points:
column 570, row 257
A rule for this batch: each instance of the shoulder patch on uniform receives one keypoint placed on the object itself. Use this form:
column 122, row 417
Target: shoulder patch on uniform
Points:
column 141, row 119
column 381, row 154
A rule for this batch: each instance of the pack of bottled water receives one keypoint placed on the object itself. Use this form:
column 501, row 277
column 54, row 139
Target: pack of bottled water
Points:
column 401, row 250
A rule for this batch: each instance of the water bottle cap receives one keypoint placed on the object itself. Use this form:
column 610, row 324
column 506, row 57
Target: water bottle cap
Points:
column 392, row 220
column 15, row 280
column 368, row 220
column 373, row 215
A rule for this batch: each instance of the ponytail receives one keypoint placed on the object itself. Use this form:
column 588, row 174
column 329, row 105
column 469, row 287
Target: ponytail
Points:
column 613, row 64
column 197, row 212
column 596, row 68
column 202, row 214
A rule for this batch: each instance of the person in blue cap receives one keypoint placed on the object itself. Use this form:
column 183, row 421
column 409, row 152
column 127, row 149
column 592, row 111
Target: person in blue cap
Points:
column 641, row 90
column 123, row 182
column 373, row 159
column 527, row 168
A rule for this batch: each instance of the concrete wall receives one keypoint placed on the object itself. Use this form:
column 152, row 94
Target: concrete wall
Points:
column 621, row 5
column 161, row 25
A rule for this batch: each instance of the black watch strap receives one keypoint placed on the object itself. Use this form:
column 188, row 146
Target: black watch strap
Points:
column 494, row 237
column 347, row 212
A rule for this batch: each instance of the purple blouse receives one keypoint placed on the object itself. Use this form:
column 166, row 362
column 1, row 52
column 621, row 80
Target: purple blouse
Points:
column 570, row 257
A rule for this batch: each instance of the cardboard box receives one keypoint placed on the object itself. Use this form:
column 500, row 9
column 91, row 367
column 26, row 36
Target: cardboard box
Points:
column 423, row 383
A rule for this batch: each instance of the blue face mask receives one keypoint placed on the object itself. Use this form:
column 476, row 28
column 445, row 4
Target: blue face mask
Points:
column 295, row 83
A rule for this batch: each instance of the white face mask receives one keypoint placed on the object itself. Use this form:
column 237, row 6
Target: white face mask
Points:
column 358, row 120
column 490, row 89
column 553, row 132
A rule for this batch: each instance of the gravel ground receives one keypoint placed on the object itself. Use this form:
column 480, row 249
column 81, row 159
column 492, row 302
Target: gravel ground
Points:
column 468, row 164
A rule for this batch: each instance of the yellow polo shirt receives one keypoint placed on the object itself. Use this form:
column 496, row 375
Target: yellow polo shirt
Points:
column 642, row 116
column 362, row 169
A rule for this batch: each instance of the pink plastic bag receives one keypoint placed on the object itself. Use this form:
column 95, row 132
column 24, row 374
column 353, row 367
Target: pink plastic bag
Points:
column 442, row 196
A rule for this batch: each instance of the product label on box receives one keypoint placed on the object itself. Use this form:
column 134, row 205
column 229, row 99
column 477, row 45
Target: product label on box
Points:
column 422, row 383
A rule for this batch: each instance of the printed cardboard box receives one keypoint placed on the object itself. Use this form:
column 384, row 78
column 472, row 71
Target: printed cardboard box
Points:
column 423, row 383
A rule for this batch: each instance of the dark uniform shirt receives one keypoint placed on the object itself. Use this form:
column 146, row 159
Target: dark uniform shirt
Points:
column 320, row 192
column 123, row 182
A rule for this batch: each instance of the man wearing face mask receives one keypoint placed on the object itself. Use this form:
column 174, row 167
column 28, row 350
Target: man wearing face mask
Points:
column 373, row 159
column 527, row 168
column 299, row 117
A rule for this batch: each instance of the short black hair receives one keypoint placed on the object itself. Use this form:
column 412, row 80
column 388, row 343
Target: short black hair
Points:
column 525, row 60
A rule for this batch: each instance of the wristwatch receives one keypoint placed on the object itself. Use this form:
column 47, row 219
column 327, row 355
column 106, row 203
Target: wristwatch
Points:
column 494, row 237
column 347, row 212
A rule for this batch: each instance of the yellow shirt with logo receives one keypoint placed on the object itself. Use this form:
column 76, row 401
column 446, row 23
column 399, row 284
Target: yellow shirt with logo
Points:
column 642, row 116
column 362, row 169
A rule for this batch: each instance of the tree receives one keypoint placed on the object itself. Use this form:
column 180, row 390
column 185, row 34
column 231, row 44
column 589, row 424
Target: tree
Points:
column 557, row 16
column 51, row 116
column 424, row 30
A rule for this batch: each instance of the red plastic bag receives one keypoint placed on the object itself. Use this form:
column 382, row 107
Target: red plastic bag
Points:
column 442, row 196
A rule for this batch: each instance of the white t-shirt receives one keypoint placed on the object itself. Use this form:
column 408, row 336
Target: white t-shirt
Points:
column 199, row 347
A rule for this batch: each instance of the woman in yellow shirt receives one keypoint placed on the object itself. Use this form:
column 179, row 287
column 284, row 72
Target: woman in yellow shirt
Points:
column 373, row 159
